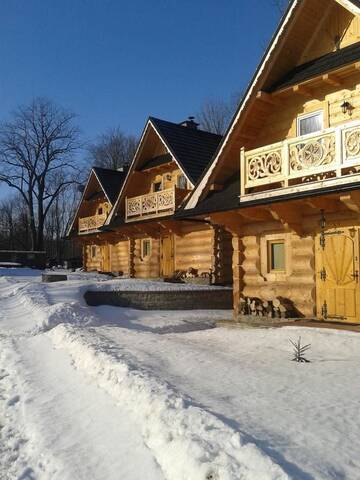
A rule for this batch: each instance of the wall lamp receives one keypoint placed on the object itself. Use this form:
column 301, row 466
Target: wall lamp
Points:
column 346, row 107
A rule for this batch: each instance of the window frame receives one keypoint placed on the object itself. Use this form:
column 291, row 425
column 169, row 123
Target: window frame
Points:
column 182, row 175
column 270, row 257
column 305, row 116
column 160, row 182
column 145, row 255
column 93, row 251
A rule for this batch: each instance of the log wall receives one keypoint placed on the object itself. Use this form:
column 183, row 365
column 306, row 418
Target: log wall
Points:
column 92, row 263
column 120, row 257
column 297, row 284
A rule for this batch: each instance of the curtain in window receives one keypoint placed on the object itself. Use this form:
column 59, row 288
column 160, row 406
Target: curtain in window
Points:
column 310, row 124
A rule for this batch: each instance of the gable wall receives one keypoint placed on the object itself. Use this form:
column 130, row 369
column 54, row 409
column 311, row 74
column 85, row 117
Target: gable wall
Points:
column 280, row 124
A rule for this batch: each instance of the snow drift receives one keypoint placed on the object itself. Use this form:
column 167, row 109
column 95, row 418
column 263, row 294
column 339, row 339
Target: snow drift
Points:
column 188, row 442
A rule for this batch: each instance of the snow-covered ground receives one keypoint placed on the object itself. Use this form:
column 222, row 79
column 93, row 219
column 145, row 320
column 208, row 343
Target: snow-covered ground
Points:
column 109, row 393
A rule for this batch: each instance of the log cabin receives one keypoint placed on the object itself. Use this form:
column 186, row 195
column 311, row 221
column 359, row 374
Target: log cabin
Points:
column 100, row 194
column 142, row 228
column 285, row 180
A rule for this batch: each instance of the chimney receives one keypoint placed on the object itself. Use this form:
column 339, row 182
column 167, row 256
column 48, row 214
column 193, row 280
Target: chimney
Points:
column 189, row 123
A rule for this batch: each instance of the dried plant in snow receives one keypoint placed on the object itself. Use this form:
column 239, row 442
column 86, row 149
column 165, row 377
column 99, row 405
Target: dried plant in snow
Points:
column 299, row 351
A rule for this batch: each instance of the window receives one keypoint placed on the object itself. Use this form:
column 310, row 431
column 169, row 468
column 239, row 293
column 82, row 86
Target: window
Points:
column 100, row 211
column 182, row 182
column 93, row 251
column 145, row 248
column 276, row 256
column 310, row 123
column 157, row 186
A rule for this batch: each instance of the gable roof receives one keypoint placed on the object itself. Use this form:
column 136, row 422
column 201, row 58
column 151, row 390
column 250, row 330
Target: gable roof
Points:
column 268, row 59
column 323, row 64
column 110, row 181
column 192, row 148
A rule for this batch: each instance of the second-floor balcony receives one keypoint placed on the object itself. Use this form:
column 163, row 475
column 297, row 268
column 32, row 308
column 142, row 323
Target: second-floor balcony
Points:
column 311, row 162
column 91, row 223
column 154, row 204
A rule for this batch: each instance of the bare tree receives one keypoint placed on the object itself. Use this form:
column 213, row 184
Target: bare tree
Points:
column 113, row 149
column 37, row 149
column 215, row 114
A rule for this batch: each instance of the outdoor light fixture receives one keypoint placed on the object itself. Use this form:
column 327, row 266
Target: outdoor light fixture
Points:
column 346, row 107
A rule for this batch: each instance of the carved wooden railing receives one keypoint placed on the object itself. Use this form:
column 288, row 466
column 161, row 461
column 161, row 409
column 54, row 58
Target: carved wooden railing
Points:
column 154, row 204
column 331, row 154
column 91, row 223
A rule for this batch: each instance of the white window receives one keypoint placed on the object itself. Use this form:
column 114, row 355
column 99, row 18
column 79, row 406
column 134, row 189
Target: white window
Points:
column 276, row 256
column 182, row 181
column 310, row 123
column 146, row 248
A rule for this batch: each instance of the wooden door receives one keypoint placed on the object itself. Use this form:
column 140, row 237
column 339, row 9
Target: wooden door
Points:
column 167, row 256
column 337, row 275
column 105, row 258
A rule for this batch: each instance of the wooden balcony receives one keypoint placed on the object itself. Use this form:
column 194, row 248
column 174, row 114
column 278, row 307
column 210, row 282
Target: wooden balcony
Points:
column 154, row 204
column 91, row 223
column 310, row 162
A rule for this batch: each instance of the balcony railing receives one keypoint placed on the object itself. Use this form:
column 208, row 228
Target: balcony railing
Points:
column 303, row 163
column 91, row 223
column 154, row 204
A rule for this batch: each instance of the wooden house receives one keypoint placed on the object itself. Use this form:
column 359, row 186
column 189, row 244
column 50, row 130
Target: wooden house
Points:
column 169, row 160
column 285, row 180
column 99, row 196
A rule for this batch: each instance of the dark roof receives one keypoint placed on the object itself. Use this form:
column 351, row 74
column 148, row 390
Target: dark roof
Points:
column 156, row 161
column 356, row 3
column 111, row 181
column 192, row 148
column 319, row 66
column 225, row 199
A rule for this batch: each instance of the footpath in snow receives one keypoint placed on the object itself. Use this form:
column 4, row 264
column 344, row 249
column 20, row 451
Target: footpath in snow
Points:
column 109, row 393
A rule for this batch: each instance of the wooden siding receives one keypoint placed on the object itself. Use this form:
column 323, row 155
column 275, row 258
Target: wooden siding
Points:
column 120, row 257
column 92, row 263
column 297, row 284
column 147, row 267
column 194, row 248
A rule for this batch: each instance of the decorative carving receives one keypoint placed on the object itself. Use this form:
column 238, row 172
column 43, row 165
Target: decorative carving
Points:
column 166, row 199
column 151, row 203
column 352, row 143
column 133, row 206
column 264, row 165
column 312, row 154
column 91, row 223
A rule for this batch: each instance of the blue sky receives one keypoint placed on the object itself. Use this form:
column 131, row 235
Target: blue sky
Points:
column 114, row 63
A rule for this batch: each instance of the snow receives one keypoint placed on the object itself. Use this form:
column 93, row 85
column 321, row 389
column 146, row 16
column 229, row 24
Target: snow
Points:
column 106, row 392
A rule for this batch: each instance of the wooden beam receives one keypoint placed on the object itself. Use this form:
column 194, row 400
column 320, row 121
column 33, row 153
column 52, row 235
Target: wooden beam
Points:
column 171, row 226
column 216, row 187
column 352, row 201
column 231, row 221
column 289, row 215
column 268, row 98
column 332, row 79
column 301, row 90
column 260, row 214
column 323, row 203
